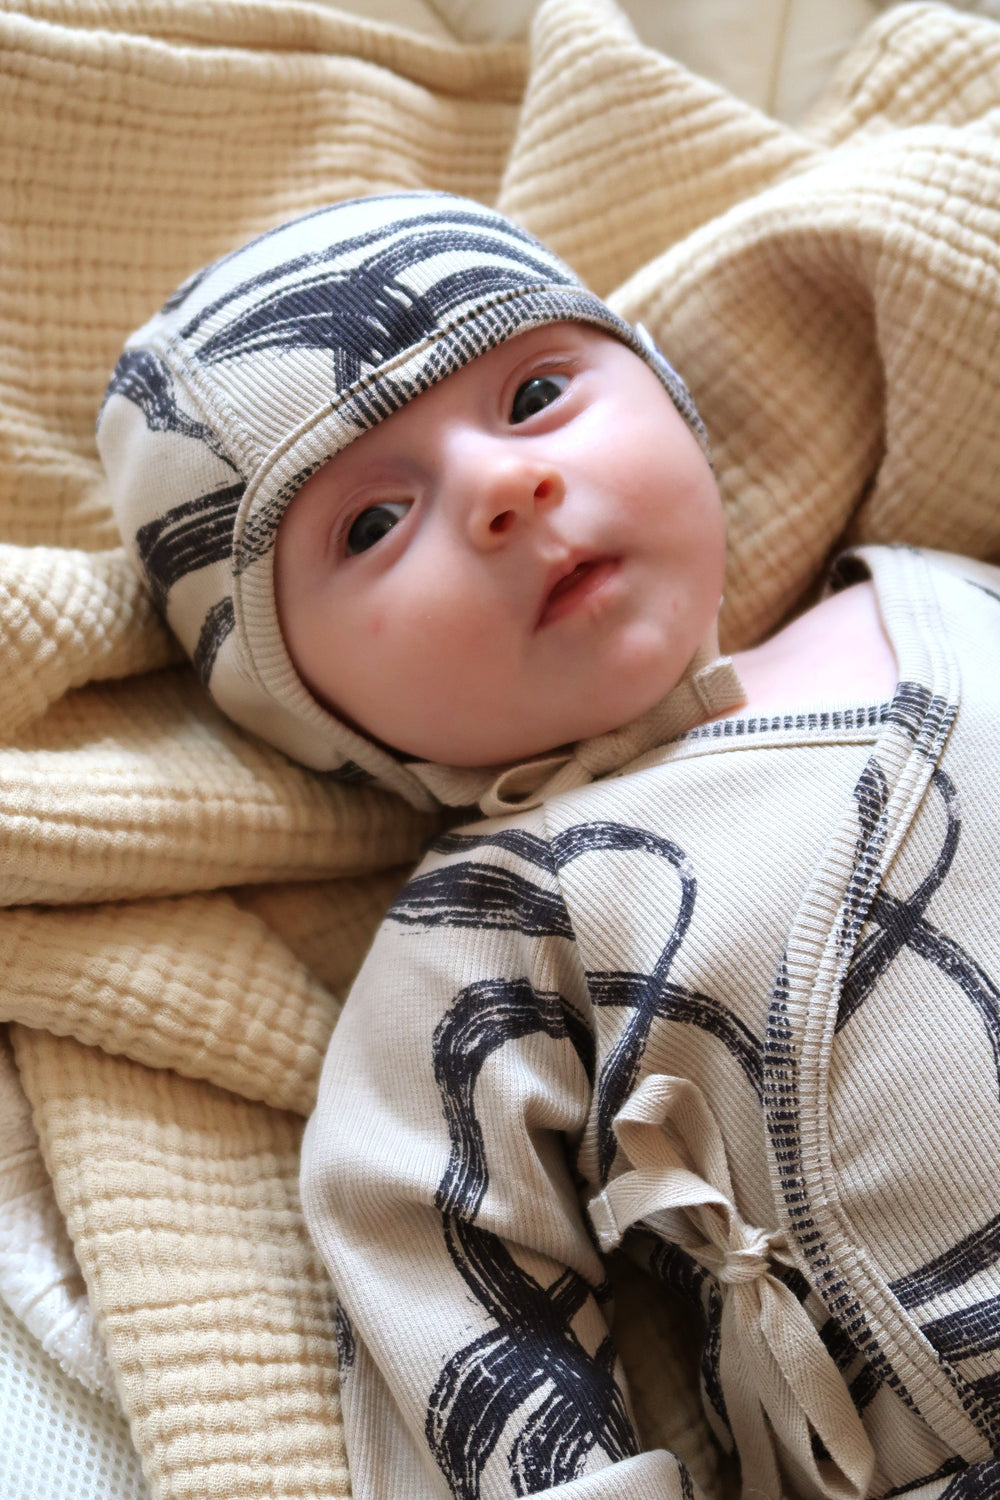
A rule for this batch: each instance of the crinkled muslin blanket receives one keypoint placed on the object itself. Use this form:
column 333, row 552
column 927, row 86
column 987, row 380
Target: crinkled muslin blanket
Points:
column 183, row 907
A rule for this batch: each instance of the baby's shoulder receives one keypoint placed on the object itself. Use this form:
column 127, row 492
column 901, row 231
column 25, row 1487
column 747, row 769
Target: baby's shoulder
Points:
column 838, row 651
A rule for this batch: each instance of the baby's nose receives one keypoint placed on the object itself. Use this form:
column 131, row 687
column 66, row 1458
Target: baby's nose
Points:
column 508, row 496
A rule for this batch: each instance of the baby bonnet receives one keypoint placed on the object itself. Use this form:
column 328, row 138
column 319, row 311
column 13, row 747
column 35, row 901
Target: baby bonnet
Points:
column 263, row 366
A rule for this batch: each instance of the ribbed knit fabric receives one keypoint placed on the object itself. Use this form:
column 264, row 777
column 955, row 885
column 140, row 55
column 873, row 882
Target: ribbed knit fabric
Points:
column 832, row 297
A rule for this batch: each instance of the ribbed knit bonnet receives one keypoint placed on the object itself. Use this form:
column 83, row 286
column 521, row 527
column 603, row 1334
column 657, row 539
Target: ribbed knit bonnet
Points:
column 263, row 366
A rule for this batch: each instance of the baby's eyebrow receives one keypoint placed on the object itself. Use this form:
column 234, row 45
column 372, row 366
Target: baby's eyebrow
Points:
column 344, row 495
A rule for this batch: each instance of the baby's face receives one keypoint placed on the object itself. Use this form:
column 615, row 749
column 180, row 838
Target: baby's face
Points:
column 527, row 554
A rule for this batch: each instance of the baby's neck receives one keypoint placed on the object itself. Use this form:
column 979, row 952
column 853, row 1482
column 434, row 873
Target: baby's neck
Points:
column 837, row 652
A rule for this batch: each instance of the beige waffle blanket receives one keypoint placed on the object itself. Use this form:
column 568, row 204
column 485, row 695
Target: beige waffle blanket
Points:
column 182, row 907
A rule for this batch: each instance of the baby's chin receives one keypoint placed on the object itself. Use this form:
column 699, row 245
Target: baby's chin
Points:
column 483, row 728
column 479, row 751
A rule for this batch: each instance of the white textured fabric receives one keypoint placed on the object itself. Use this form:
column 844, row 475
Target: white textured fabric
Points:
column 60, row 1442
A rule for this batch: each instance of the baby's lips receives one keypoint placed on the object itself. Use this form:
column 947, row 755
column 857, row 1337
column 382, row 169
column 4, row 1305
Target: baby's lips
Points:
column 574, row 584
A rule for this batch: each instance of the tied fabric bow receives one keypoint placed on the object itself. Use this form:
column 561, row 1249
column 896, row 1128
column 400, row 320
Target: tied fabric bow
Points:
column 781, row 1387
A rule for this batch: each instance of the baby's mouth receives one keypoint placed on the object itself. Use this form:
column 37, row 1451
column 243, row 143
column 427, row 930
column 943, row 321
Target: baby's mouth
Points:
column 575, row 587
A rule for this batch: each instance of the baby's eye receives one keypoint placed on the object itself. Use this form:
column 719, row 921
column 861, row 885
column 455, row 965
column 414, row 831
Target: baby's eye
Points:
column 373, row 524
column 538, row 392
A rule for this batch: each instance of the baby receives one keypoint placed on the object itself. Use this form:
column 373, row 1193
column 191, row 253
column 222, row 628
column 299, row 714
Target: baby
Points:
column 714, row 983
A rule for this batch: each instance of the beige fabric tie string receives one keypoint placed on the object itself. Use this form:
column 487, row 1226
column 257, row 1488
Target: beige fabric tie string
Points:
column 781, row 1386
column 737, row 1264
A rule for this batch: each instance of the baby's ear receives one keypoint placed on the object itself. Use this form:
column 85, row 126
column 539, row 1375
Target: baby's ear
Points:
column 676, row 389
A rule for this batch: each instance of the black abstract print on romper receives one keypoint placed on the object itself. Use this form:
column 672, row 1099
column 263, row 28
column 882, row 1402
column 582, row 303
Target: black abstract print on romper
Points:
column 531, row 1360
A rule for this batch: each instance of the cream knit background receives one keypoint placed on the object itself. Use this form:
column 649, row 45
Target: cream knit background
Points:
column 776, row 54
column 183, row 906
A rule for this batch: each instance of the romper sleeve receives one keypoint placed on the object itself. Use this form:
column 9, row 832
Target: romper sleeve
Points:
column 438, row 1185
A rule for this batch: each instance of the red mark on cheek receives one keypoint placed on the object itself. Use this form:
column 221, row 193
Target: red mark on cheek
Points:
column 376, row 624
